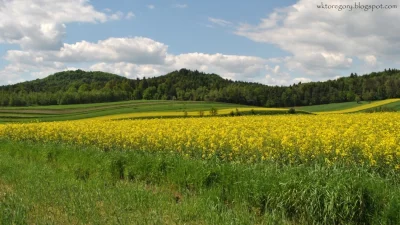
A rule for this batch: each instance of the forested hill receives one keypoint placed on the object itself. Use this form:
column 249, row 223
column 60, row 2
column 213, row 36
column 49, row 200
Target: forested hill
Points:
column 62, row 81
column 74, row 87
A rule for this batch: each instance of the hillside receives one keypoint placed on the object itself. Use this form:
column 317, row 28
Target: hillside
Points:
column 62, row 81
column 78, row 87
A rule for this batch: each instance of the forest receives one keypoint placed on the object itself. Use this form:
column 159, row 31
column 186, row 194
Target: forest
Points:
column 80, row 87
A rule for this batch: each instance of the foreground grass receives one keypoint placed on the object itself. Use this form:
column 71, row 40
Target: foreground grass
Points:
column 60, row 184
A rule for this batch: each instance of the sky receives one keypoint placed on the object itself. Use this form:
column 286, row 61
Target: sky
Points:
column 269, row 42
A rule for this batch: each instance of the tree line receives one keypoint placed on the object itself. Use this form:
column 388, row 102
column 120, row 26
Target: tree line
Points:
column 78, row 87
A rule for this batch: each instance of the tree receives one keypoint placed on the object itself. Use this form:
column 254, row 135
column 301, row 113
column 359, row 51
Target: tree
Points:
column 357, row 99
column 83, row 88
column 149, row 92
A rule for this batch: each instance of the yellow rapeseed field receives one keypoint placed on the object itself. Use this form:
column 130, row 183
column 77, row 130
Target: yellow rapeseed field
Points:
column 365, row 139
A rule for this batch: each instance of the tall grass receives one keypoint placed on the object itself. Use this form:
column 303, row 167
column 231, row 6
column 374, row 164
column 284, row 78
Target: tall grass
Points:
column 59, row 184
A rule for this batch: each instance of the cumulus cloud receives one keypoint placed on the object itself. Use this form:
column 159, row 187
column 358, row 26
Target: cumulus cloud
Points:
column 138, row 49
column 41, row 24
column 130, row 70
column 370, row 60
column 138, row 57
column 229, row 66
column 325, row 41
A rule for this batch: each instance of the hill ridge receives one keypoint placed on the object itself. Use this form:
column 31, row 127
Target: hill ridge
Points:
column 78, row 87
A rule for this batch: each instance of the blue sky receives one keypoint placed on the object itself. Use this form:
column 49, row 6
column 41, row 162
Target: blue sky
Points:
column 271, row 42
column 183, row 29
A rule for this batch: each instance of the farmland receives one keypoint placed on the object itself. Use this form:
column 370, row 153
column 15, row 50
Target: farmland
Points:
column 167, row 109
column 280, row 169
column 350, row 107
column 127, row 109
column 355, row 138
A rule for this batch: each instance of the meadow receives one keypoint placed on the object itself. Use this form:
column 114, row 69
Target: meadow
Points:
column 141, row 109
column 127, row 109
column 351, row 107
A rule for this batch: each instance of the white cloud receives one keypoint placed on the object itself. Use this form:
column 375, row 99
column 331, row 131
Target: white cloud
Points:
column 138, row 49
column 151, row 6
column 40, row 24
column 180, row 6
column 323, row 42
column 302, row 80
column 130, row 70
column 130, row 15
column 117, row 15
column 370, row 60
column 219, row 22
column 276, row 69
column 228, row 66
column 138, row 57
column 234, row 67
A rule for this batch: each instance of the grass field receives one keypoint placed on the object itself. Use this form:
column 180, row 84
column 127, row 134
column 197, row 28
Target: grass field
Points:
column 167, row 109
column 349, row 107
column 394, row 106
column 58, row 184
column 76, row 112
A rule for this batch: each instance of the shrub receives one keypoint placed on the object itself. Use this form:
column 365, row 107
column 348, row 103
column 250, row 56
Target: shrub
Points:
column 237, row 112
column 201, row 113
column 213, row 111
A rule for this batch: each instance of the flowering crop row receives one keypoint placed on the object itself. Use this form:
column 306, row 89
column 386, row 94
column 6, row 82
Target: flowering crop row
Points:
column 367, row 139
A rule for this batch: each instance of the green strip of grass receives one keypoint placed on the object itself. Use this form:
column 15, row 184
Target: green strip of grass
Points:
column 151, row 106
column 331, row 107
column 58, row 184
column 78, row 106
column 394, row 106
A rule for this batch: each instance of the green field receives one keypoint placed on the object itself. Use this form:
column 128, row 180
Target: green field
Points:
column 347, row 107
column 59, row 184
column 330, row 107
column 75, row 112
column 165, row 109
column 394, row 106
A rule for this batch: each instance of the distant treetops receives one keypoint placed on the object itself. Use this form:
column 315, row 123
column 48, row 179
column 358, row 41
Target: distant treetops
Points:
column 79, row 87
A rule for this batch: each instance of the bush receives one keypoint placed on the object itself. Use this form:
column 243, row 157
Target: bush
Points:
column 213, row 111
column 237, row 112
column 201, row 113
column 292, row 111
